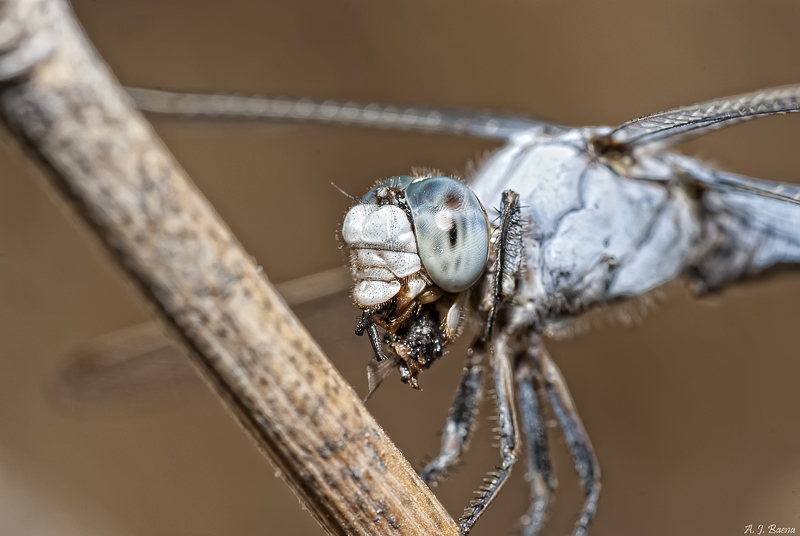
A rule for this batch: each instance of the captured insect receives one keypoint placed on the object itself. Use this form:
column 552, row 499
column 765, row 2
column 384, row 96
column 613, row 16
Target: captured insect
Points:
column 558, row 222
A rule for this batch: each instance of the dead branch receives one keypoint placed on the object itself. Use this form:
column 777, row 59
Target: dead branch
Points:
column 65, row 106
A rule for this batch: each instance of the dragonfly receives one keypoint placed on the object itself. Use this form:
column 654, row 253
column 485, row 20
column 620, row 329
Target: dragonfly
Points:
column 559, row 222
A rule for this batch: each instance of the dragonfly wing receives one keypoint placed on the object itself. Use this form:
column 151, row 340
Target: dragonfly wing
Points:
column 377, row 371
column 121, row 365
column 723, row 180
column 686, row 122
column 461, row 122
column 143, row 360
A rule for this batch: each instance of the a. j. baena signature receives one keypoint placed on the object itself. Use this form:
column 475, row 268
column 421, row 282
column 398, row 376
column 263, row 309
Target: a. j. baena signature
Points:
column 768, row 529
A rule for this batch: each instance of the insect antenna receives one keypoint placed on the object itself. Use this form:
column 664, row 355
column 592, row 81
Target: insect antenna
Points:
column 354, row 198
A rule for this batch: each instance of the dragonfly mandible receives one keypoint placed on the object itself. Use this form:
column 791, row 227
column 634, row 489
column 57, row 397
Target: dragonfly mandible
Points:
column 602, row 215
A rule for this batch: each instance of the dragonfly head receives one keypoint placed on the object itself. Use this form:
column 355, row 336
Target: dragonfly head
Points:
column 417, row 244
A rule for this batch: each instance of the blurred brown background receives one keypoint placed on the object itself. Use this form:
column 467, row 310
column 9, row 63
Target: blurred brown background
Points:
column 694, row 413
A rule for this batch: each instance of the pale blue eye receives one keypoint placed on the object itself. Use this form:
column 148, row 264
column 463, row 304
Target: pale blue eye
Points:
column 451, row 229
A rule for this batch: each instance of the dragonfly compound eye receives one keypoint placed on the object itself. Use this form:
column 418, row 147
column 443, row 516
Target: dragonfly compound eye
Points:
column 451, row 229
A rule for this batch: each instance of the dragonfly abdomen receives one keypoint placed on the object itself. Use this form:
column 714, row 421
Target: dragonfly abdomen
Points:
column 745, row 235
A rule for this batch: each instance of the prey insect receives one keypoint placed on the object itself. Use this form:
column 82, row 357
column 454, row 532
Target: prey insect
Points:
column 586, row 217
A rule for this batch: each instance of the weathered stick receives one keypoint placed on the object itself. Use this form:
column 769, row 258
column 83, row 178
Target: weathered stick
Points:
column 61, row 100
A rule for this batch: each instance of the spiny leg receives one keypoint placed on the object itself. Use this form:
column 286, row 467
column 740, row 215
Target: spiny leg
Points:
column 507, row 253
column 507, row 431
column 540, row 473
column 460, row 422
column 580, row 447
column 507, row 258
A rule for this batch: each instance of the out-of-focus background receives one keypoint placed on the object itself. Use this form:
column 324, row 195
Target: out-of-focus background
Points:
column 694, row 413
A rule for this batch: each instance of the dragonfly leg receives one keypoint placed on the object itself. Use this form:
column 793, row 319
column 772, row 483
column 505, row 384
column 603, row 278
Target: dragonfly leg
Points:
column 507, row 429
column 507, row 257
column 540, row 473
column 365, row 323
column 460, row 422
column 580, row 447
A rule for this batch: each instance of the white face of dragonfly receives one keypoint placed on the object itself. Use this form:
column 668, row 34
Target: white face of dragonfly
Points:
column 383, row 252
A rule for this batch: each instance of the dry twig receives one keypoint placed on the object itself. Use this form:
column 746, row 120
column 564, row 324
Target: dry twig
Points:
column 63, row 103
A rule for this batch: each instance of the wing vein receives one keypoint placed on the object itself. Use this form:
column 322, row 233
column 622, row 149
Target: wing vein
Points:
column 680, row 124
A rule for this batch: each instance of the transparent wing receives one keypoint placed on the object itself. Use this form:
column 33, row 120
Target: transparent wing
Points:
column 482, row 124
column 680, row 124
column 377, row 371
column 723, row 180
column 142, row 360
column 730, row 181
